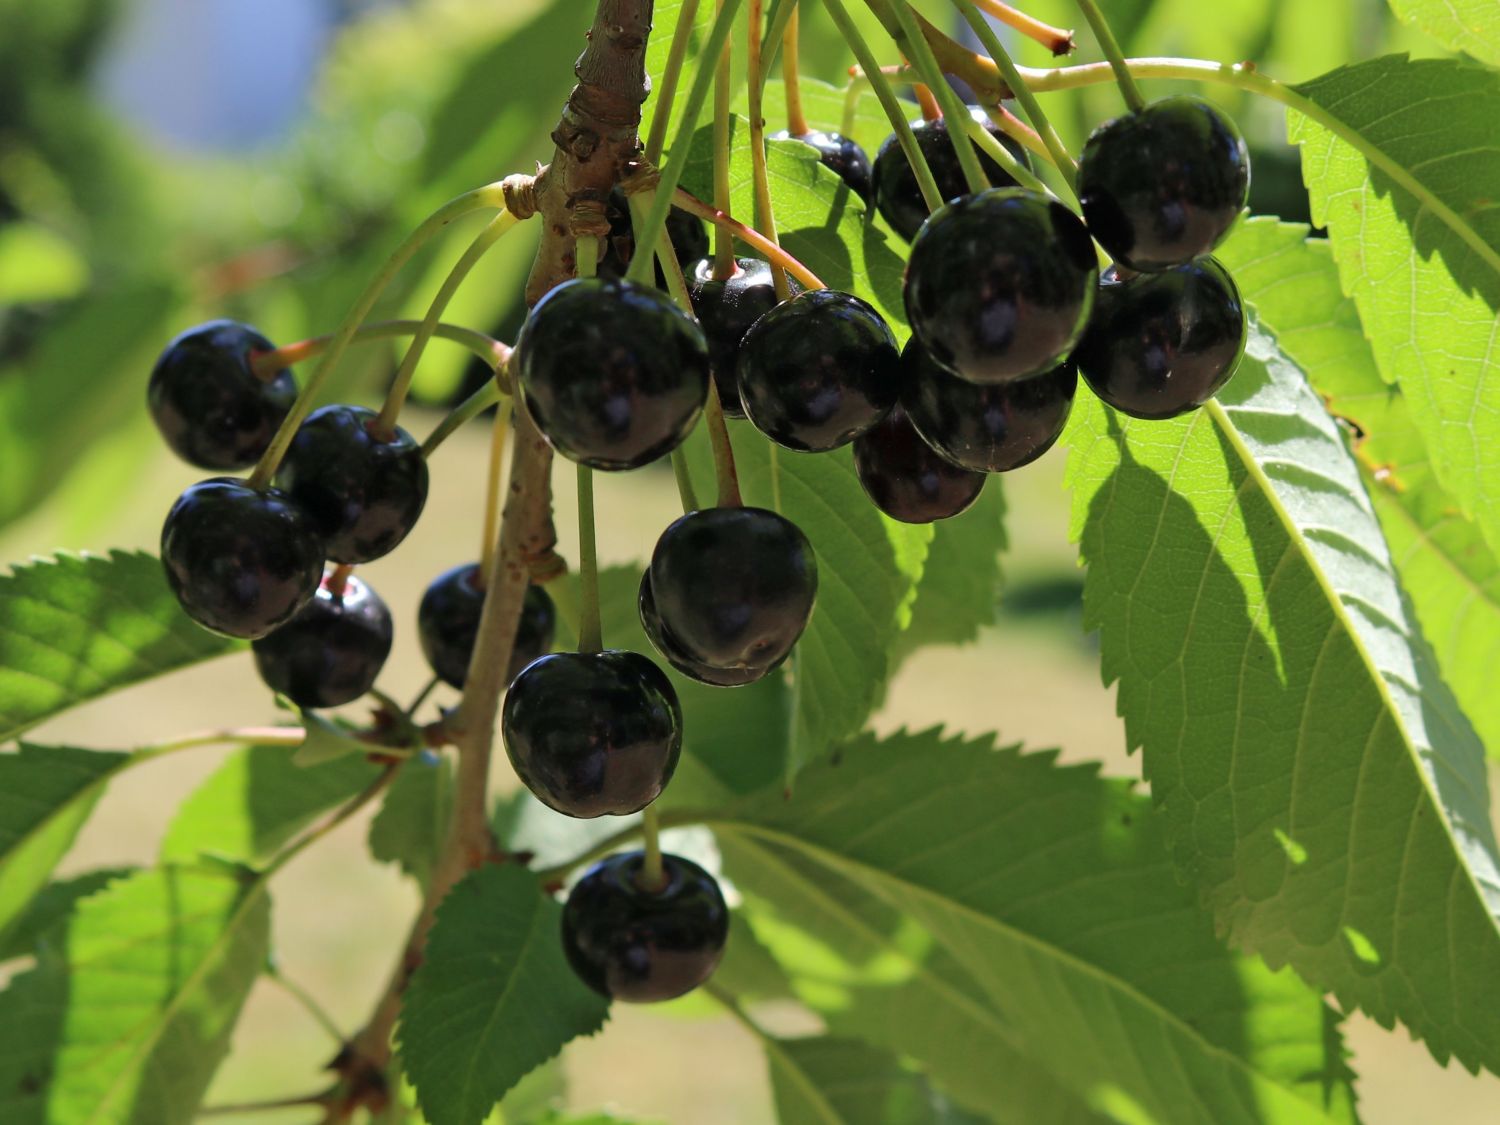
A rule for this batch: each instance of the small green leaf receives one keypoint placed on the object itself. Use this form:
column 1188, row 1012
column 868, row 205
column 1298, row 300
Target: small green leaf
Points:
column 75, row 627
column 51, row 907
column 1049, row 888
column 1470, row 26
column 828, row 1081
column 253, row 804
column 412, row 824
column 46, row 794
column 493, row 998
column 129, row 1020
column 1417, row 239
column 325, row 741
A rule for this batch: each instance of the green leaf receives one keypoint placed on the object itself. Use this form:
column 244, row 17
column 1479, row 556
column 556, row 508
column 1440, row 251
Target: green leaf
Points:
column 821, row 222
column 51, row 907
column 827, row 1081
column 1321, row 786
column 46, row 794
column 326, row 740
column 1471, row 26
column 493, row 998
column 129, row 1021
column 1445, row 565
column 37, row 265
column 1417, row 240
column 412, row 824
column 960, row 589
column 1050, row 888
column 869, row 569
column 252, row 805
column 75, row 627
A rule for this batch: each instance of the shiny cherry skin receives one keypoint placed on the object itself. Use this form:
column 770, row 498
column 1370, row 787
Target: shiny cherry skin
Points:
column 1163, row 185
column 612, row 373
column 672, row 651
column 987, row 429
column 207, row 401
column 734, row 587
column 819, row 370
column 330, row 652
column 362, row 491
column 448, row 624
column 897, row 196
column 593, row 733
column 638, row 944
column 726, row 310
column 687, row 232
column 241, row 560
column 1161, row 344
column 999, row 285
column 906, row 478
column 841, row 156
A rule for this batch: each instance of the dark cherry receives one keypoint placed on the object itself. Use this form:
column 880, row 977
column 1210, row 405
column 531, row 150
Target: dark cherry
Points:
column 819, row 370
column 841, row 156
column 593, row 733
column 675, row 654
column 1161, row 344
column 906, row 478
column 362, row 491
column 734, row 587
column 639, row 944
column 999, row 285
column 207, row 401
column 612, row 373
column 986, row 428
column 240, row 560
column 726, row 310
column 1163, row 185
column 330, row 652
column 448, row 623
column 897, row 196
column 688, row 234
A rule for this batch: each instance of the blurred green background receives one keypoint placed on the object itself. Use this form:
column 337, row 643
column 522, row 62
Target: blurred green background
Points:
column 165, row 161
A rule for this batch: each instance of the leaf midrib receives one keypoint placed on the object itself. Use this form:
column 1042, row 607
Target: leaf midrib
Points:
column 867, row 873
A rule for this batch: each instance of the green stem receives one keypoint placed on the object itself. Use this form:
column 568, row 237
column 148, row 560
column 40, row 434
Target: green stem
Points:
column 590, row 638
column 661, row 116
column 487, row 348
column 915, row 44
column 395, row 398
column 494, row 499
column 652, row 878
column 894, row 112
column 1002, row 156
column 607, row 846
column 421, row 697
column 852, row 93
column 465, row 412
column 309, row 1004
column 489, row 196
column 725, row 473
column 765, row 210
column 1243, row 77
column 647, row 233
column 724, row 263
column 685, row 491
column 290, row 737
column 1034, row 112
column 1111, row 48
column 586, row 256
column 796, row 117
column 775, row 38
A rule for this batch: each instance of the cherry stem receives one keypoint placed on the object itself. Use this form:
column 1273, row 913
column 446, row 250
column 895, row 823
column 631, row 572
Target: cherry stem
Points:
column 421, row 696
column 765, row 212
column 472, row 407
column 653, row 878
column 724, row 263
column 586, row 255
column 852, row 93
column 661, row 115
column 494, row 498
column 1058, row 153
column 915, row 44
column 796, row 118
column 894, row 112
column 748, row 235
column 323, row 1098
column 489, row 196
column 590, row 638
column 492, row 351
column 1017, row 130
column 718, row 435
column 1002, row 156
column 931, row 111
column 309, row 1004
column 1111, row 48
column 385, row 424
column 685, row 491
column 337, row 579
column 289, row 737
column 656, row 220
column 1055, row 39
